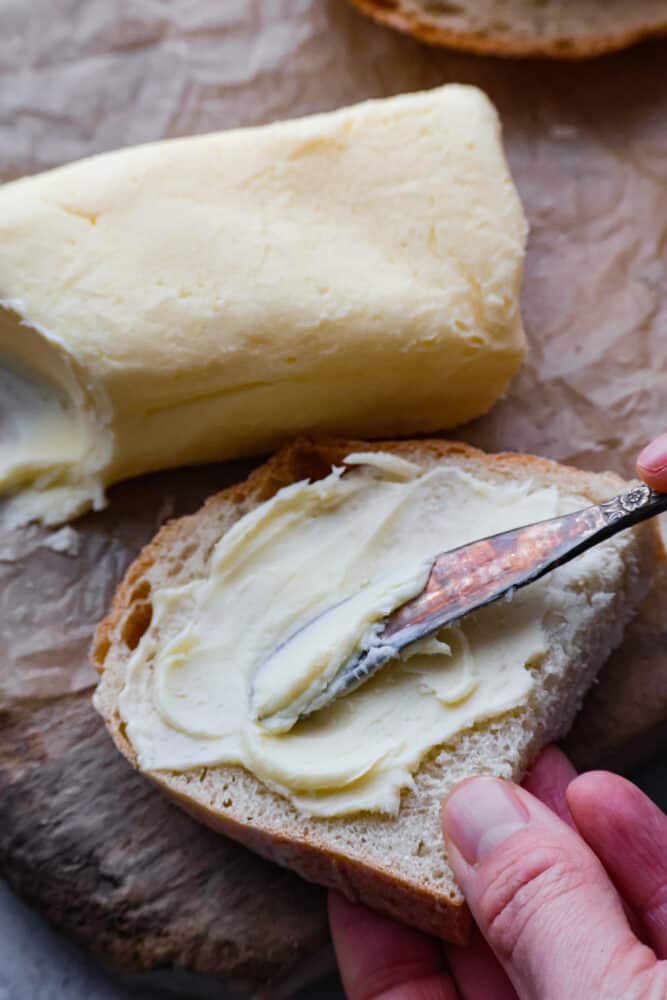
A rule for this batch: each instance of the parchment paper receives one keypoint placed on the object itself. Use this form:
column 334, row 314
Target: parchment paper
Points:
column 588, row 148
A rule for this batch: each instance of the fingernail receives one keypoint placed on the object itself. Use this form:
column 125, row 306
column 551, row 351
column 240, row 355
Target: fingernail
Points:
column 480, row 814
column 654, row 456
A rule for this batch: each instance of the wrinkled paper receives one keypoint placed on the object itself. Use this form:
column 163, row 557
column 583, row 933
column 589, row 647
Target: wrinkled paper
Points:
column 587, row 145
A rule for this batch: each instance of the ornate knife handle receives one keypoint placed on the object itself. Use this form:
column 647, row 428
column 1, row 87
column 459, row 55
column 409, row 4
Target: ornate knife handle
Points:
column 636, row 505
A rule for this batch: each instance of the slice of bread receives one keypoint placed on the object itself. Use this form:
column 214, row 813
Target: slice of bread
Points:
column 557, row 29
column 396, row 865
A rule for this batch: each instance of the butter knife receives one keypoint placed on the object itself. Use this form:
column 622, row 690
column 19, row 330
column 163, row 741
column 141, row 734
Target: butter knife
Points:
column 470, row 577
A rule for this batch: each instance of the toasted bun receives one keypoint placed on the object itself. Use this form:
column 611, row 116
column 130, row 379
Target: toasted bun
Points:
column 396, row 865
column 557, row 29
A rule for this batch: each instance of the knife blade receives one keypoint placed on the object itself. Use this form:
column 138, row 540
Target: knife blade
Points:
column 472, row 576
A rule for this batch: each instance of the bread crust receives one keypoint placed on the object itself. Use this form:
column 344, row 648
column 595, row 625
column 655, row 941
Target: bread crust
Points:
column 129, row 617
column 432, row 29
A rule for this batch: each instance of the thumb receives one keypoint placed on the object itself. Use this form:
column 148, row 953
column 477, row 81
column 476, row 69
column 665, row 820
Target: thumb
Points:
column 652, row 464
column 541, row 897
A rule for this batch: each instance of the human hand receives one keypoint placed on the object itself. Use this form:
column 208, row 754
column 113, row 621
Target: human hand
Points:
column 537, row 872
column 652, row 464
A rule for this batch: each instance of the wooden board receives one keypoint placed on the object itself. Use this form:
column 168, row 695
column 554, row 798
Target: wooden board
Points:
column 97, row 848
column 105, row 856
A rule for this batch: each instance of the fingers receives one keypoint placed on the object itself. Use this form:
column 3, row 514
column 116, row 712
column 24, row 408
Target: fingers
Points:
column 652, row 464
column 476, row 969
column 540, row 896
column 628, row 833
column 382, row 960
column 548, row 780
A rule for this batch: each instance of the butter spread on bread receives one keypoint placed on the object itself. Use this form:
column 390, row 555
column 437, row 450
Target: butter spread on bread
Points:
column 193, row 694
column 206, row 298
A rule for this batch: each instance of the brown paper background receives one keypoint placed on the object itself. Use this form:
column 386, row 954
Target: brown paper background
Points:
column 588, row 148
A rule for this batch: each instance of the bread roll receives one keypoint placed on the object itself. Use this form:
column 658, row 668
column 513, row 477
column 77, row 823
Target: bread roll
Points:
column 555, row 29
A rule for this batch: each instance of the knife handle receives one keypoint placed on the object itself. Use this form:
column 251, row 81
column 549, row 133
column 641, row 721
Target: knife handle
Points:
column 630, row 508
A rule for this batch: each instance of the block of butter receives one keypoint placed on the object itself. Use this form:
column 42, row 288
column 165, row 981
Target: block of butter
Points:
column 355, row 273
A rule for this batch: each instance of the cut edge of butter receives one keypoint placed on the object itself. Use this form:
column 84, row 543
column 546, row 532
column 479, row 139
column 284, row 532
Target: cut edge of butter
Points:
column 57, row 436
